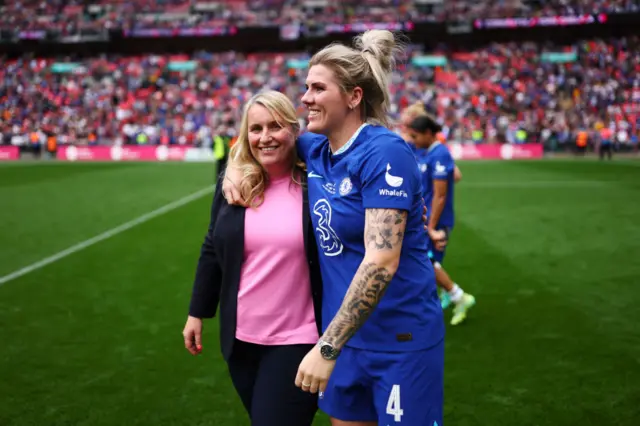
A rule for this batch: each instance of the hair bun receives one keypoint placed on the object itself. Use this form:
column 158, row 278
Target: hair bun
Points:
column 381, row 44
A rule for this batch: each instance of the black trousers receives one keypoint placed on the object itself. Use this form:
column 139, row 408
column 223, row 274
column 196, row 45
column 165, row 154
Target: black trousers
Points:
column 606, row 148
column 264, row 377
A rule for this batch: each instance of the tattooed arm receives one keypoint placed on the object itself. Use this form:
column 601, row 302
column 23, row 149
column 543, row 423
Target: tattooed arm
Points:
column 383, row 234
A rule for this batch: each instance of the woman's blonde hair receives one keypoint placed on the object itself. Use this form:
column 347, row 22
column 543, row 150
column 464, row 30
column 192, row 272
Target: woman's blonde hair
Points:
column 255, row 177
column 368, row 65
column 409, row 114
column 413, row 111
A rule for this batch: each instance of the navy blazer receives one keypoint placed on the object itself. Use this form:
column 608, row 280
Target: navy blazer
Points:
column 219, row 266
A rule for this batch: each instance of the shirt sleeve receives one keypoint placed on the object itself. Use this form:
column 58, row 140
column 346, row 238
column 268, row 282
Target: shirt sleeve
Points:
column 389, row 175
column 304, row 143
column 443, row 166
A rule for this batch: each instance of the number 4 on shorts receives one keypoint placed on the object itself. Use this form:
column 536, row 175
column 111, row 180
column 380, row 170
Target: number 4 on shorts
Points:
column 393, row 404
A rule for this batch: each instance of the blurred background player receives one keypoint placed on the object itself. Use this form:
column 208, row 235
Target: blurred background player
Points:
column 413, row 111
column 438, row 168
column 606, row 142
column 407, row 116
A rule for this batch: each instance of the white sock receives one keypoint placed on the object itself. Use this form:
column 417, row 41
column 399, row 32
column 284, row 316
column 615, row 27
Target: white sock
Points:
column 456, row 293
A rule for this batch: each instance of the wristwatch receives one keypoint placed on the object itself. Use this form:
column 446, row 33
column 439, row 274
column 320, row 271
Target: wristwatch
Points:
column 328, row 351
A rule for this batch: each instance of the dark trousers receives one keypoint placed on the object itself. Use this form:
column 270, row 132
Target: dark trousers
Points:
column 264, row 377
column 606, row 148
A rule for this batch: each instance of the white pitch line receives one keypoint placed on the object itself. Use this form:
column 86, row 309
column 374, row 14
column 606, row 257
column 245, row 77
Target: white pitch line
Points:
column 105, row 235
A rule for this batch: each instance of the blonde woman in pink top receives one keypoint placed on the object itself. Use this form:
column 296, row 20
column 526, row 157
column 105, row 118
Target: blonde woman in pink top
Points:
column 259, row 264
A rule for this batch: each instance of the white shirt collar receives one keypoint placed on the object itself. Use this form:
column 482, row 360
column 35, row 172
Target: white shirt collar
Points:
column 351, row 140
column 433, row 145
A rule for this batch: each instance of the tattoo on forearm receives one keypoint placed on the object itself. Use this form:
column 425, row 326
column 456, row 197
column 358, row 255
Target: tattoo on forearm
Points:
column 364, row 294
column 384, row 230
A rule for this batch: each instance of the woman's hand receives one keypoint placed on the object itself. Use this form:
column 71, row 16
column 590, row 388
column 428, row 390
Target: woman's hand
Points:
column 439, row 238
column 314, row 372
column 230, row 185
column 193, row 335
column 457, row 175
column 424, row 217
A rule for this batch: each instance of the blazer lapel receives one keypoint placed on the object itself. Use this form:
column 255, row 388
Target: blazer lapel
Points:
column 239, row 215
column 305, row 217
column 236, row 246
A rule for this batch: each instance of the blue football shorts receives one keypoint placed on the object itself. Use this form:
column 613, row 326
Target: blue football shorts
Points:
column 391, row 388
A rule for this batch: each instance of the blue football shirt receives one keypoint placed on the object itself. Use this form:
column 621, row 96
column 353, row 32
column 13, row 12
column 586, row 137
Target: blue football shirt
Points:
column 420, row 154
column 375, row 169
column 438, row 164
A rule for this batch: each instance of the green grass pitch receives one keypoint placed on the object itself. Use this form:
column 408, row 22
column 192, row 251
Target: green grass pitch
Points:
column 550, row 249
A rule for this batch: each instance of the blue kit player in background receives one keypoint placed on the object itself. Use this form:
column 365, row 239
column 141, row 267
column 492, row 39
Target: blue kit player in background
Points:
column 438, row 169
column 380, row 359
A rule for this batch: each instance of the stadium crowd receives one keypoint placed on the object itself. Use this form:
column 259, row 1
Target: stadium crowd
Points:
column 468, row 9
column 73, row 16
column 500, row 93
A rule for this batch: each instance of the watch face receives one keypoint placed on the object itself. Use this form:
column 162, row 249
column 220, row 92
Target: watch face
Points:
column 327, row 352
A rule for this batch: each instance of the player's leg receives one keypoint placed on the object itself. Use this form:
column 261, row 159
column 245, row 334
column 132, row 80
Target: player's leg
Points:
column 409, row 389
column 462, row 300
column 453, row 293
column 348, row 398
column 276, row 399
column 444, row 286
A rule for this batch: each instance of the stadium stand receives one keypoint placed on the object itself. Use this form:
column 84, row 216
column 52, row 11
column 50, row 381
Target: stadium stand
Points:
column 74, row 16
column 481, row 89
column 466, row 9
column 499, row 93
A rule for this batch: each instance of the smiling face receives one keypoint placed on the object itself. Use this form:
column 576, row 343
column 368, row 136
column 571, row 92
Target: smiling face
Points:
column 271, row 139
column 328, row 105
